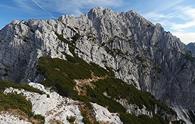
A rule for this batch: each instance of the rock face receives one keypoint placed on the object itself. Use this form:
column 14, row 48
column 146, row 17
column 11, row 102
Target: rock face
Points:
column 50, row 105
column 55, row 108
column 103, row 115
column 138, row 51
column 7, row 118
column 191, row 47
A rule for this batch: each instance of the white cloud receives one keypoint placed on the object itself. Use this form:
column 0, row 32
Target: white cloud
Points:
column 180, row 20
column 189, row 15
column 185, row 37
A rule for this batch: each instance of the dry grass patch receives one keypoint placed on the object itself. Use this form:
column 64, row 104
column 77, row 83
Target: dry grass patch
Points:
column 87, row 113
column 82, row 84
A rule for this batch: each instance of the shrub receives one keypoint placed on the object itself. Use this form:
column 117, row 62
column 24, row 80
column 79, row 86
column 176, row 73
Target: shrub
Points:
column 71, row 119
column 142, row 119
column 60, row 75
column 15, row 101
column 25, row 86
column 18, row 102
column 39, row 119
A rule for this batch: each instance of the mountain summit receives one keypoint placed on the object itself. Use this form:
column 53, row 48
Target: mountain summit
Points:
column 107, row 59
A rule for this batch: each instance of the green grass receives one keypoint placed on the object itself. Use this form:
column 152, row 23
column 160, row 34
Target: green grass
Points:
column 60, row 75
column 15, row 101
column 96, row 96
column 18, row 102
column 25, row 86
column 142, row 119
column 117, row 89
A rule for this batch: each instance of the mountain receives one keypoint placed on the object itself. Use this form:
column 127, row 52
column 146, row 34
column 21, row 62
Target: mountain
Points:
column 103, row 62
column 191, row 47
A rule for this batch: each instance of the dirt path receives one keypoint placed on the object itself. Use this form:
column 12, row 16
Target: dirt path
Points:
column 81, row 85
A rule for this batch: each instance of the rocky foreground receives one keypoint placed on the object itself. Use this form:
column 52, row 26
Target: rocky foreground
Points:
column 55, row 108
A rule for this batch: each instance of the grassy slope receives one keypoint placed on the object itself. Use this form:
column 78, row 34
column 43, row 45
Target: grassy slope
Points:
column 25, row 86
column 60, row 75
column 15, row 101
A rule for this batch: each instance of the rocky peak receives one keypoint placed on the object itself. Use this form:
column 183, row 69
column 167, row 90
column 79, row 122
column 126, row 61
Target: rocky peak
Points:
column 98, row 12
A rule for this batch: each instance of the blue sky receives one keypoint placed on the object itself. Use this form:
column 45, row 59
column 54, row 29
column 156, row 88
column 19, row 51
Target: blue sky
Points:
column 177, row 16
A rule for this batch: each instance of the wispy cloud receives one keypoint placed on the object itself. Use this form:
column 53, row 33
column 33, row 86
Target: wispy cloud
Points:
column 42, row 8
column 188, row 15
column 180, row 20
column 167, row 4
column 73, row 7
column 186, row 37
column 24, row 4
column 25, row 9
